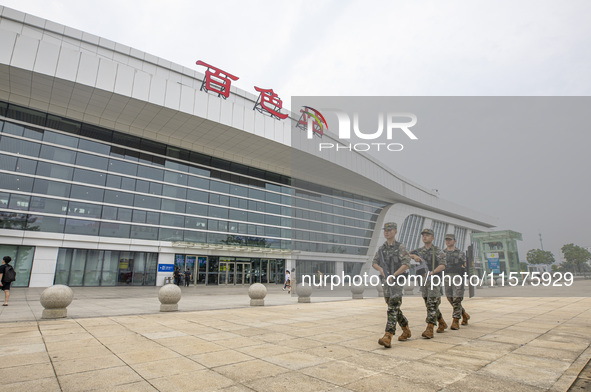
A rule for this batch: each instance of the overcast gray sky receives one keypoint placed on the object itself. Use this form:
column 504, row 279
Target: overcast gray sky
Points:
column 400, row 48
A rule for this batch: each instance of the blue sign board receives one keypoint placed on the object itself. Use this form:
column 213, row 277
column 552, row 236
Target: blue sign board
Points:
column 494, row 265
column 165, row 267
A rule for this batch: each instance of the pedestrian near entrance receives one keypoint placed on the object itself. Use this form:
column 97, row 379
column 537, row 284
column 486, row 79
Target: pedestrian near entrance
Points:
column 433, row 260
column 287, row 284
column 456, row 265
column 187, row 277
column 177, row 276
column 6, row 277
column 392, row 259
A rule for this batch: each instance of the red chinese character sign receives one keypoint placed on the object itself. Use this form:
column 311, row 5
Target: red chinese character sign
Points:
column 269, row 102
column 312, row 118
column 217, row 80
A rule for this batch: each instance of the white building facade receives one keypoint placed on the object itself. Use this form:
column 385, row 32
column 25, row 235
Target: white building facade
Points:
column 116, row 167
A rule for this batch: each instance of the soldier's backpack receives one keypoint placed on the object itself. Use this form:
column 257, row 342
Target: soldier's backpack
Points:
column 9, row 274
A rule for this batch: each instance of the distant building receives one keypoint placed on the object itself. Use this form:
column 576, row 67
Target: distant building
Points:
column 497, row 251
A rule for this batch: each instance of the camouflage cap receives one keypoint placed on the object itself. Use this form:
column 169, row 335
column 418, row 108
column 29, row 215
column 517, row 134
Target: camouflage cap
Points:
column 427, row 231
column 390, row 225
column 450, row 237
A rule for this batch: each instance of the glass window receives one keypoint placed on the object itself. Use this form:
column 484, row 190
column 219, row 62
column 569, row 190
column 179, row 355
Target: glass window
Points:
column 194, row 195
column 147, row 202
column 82, row 227
column 86, row 193
column 217, row 212
column 197, row 182
column 77, row 267
column 110, row 268
column 117, row 230
column 173, row 205
column 92, row 161
column 123, row 167
column 51, row 188
column 86, row 210
column 144, row 232
column 175, row 178
column 220, row 187
column 197, row 209
column 19, row 202
column 194, row 236
column 90, row 145
column 150, row 173
column 109, row 213
column 13, row 129
column 56, row 122
column 89, row 177
column 174, row 191
column 16, row 182
column 117, row 197
column 7, row 162
column 171, row 234
column 94, row 265
column 19, row 146
column 62, row 269
column 54, row 171
column 124, row 214
column 58, row 154
column 172, row 220
column 58, row 138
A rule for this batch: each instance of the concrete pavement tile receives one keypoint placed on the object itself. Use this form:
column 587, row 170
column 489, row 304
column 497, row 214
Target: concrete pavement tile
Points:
column 67, row 337
column 277, row 337
column 333, row 352
column 237, row 388
column 478, row 382
column 427, row 373
column 509, row 336
column 364, row 344
column 295, row 360
column 300, row 343
column 197, row 346
column 373, row 361
column 140, row 356
column 456, row 361
column 24, row 359
column 162, row 335
column 40, row 385
column 264, row 350
column 401, row 352
column 61, row 345
column 97, row 379
column 135, row 345
column 78, row 352
column 167, row 367
column 241, row 341
column 220, row 358
column 10, row 341
column 389, row 382
column 219, row 335
column 18, row 333
column 546, row 352
column 22, row 349
column 337, row 372
column 249, row 370
column 426, row 344
column 85, row 364
column 288, row 382
column 139, row 386
column 542, row 373
column 27, row 373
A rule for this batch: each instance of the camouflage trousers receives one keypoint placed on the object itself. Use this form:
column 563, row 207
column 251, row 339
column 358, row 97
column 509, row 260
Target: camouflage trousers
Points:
column 393, row 297
column 455, row 295
column 432, row 299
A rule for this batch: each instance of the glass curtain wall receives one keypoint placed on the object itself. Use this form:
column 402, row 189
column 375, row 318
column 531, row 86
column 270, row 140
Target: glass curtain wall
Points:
column 90, row 267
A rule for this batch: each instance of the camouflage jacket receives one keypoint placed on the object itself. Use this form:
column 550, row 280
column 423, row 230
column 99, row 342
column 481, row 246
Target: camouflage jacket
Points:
column 456, row 261
column 427, row 255
column 394, row 256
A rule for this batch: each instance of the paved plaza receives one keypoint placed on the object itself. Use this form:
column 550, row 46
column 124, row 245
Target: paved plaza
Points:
column 117, row 340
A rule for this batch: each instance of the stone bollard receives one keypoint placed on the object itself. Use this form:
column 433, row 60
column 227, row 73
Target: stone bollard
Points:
column 55, row 299
column 257, row 293
column 409, row 289
column 499, row 282
column 169, row 296
column 357, row 291
column 304, row 293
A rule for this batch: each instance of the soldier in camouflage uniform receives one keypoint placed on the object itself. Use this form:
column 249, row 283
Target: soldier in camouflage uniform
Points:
column 392, row 259
column 456, row 265
column 435, row 259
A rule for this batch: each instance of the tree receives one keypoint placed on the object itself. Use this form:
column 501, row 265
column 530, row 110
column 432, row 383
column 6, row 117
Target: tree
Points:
column 523, row 266
column 576, row 256
column 538, row 256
